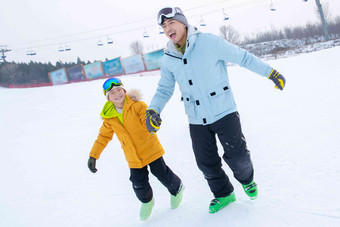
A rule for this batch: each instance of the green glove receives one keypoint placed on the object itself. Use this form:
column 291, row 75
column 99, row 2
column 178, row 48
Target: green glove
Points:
column 153, row 120
column 278, row 79
column 92, row 164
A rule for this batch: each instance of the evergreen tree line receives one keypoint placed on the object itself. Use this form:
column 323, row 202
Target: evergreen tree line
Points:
column 18, row 74
column 21, row 74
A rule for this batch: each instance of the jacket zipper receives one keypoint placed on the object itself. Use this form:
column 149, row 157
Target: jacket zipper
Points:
column 173, row 56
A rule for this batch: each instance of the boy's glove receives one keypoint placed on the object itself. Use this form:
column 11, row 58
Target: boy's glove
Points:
column 92, row 164
column 278, row 79
column 153, row 120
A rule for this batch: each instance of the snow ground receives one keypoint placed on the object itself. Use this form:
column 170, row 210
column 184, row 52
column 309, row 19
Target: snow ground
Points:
column 46, row 134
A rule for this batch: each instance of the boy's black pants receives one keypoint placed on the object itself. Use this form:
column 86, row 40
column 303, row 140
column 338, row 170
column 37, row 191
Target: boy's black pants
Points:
column 236, row 154
column 140, row 179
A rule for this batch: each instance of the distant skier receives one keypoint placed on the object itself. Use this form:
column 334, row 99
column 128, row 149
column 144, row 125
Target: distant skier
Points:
column 197, row 62
column 124, row 114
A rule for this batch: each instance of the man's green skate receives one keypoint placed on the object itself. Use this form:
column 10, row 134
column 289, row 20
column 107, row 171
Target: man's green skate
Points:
column 218, row 203
column 251, row 190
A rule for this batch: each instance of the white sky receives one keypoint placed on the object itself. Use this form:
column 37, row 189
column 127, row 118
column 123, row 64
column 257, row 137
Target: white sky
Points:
column 44, row 26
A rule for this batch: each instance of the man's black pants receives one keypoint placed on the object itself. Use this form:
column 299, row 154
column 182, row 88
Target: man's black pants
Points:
column 236, row 154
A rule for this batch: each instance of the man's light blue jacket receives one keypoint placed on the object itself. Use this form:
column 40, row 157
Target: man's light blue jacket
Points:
column 202, row 76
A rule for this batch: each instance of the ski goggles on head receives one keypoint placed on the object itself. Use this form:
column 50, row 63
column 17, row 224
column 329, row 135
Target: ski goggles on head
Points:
column 168, row 12
column 110, row 83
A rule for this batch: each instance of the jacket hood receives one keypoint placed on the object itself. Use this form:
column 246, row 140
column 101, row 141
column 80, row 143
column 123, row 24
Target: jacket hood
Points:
column 192, row 30
column 135, row 94
column 109, row 110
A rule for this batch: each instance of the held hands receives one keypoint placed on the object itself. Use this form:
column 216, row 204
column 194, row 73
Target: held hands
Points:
column 153, row 121
column 278, row 79
column 92, row 164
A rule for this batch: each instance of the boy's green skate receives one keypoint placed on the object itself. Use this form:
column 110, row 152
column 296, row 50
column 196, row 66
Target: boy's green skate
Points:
column 146, row 209
column 176, row 200
column 251, row 190
column 218, row 203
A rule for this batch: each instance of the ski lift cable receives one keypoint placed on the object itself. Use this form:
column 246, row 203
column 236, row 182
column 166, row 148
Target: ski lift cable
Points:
column 229, row 8
column 78, row 40
column 128, row 23
column 117, row 25
column 248, row 3
column 81, row 33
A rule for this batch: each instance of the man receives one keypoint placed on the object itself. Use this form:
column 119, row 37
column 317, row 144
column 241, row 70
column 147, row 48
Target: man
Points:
column 197, row 62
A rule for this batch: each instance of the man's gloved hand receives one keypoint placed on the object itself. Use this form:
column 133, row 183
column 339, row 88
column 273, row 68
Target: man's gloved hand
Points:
column 278, row 79
column 92, row 164
column 153, row 120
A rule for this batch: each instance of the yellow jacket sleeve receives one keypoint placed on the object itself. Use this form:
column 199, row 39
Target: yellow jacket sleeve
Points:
column 105, row 135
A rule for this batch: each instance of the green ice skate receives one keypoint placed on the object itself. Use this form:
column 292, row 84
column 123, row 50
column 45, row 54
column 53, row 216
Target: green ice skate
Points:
column 146, row 209
column 176, row 200
column 218, row 203
column 251, row 190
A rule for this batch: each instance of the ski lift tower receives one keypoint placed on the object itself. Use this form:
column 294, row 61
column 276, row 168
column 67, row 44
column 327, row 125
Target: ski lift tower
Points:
column 322, row 16
column 3, row 50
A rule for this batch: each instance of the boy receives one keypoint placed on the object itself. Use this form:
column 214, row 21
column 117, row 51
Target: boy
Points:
column 124, row 114
column 197, row 62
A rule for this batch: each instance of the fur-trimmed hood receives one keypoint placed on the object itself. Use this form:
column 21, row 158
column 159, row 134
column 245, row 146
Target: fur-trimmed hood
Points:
column 135, row 94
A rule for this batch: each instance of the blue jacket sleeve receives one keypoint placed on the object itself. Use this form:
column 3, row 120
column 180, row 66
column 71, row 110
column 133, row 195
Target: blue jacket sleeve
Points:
column 164, row 92
column 234, row 54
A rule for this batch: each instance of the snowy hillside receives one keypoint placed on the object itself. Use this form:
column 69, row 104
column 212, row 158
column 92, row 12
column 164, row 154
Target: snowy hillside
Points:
column 288, row 47
column 46, row 134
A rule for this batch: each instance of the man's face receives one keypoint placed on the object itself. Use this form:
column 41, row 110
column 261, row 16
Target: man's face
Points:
column 175, row 31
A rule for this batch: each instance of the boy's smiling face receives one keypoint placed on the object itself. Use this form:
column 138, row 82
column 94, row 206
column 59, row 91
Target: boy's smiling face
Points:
column 117, row 96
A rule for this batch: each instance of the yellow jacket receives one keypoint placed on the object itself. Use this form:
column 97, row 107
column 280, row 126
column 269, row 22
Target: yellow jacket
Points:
column 140, row 147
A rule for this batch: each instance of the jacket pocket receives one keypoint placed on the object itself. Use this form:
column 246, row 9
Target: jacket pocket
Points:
column 220, row 98
column 189, row 104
